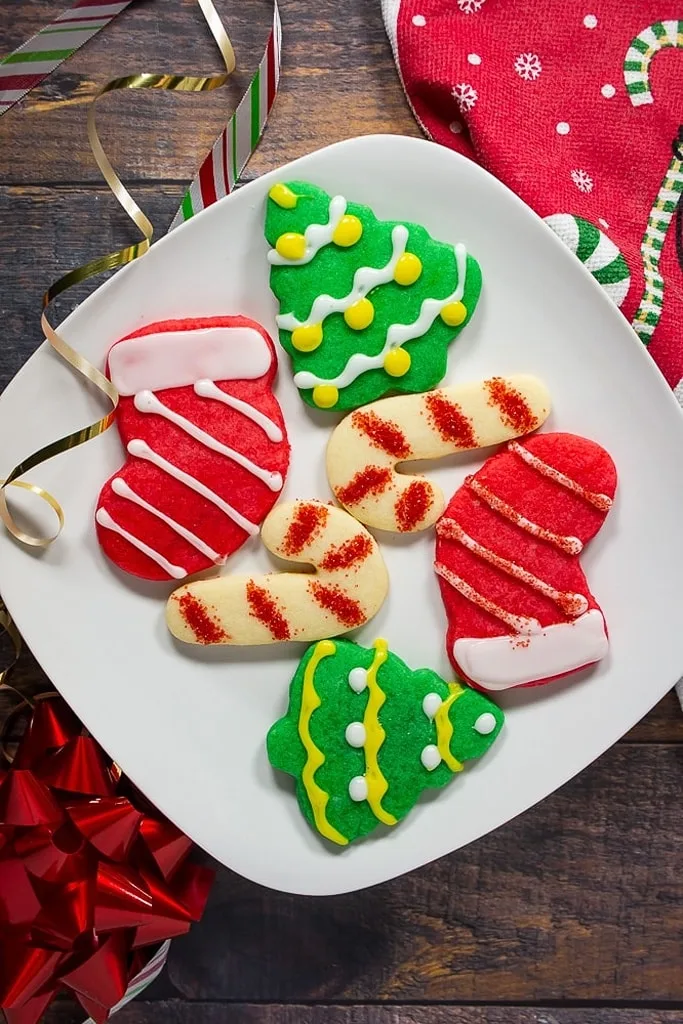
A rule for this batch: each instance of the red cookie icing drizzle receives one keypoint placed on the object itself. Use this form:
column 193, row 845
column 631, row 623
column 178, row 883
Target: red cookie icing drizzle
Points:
column 449, row 421
column 352, row 552
column 413, row 505
column 517, row 623
column 570, row 545
column 372, row 480
column 264, row 608
column 333, row 599
column 383, row 434
column 513, row 406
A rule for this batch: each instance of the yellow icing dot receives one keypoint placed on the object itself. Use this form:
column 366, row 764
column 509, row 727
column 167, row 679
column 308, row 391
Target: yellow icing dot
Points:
column 291, row 246
column 397, row 362
column 454, row 314
column 360, row 315
column 325, row 396
column 283, row 196
column 408, row 269
column 306, row 339
column 348, row 231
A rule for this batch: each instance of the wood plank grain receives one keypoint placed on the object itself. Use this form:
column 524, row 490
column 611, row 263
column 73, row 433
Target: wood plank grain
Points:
column 580, row 898
column 177, row 1012
column 338, row 81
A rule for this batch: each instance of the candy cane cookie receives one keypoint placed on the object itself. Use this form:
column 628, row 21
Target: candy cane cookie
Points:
column 346, row 590
column 365, row 449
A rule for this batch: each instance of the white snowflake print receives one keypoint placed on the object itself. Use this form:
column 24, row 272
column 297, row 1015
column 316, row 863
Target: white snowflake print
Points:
column 465, row 96
column 582, row 180
column 470, row 6
column 528, row 66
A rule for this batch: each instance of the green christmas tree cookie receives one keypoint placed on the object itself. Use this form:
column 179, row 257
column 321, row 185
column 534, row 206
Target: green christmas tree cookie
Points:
column 364, row 735
column 366, row 306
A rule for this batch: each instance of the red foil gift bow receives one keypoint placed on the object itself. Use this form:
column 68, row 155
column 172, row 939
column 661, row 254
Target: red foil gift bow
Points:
column 92, row 878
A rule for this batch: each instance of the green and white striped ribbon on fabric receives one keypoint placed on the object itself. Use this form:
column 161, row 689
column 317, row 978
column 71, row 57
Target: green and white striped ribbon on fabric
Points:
column 223, row 166
column 656, row 37
column 598, row 253
column 27, row 66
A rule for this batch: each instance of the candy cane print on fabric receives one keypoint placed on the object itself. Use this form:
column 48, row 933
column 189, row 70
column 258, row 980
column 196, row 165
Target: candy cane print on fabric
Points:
column 658, row 36
column 346, row 590
column 365, row 448
column 650, row 309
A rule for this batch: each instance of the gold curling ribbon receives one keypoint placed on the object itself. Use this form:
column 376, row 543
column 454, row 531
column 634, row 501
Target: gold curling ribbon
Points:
column 113, row 260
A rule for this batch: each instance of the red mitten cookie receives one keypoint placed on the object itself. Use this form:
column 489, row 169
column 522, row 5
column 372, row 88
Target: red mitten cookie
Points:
column 206, row 441
column 519, row 608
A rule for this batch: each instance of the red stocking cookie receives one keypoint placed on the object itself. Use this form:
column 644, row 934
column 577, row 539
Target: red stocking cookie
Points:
column 206, row 442
column 519, row 608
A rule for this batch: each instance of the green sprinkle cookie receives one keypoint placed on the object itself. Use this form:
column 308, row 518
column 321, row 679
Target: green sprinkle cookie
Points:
column 367, row 306
column 364, row 735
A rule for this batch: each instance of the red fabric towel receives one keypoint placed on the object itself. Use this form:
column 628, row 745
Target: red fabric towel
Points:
column 577, row 105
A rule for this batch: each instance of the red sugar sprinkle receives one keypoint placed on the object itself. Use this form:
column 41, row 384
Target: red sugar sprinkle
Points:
column 307, row 520
column 372, row 480
column 206, row 629
column 356, row 549
column 449, row 421
column 413, row 505
column 382, row 433
column 514, row 409
column 333, row 599
column 263, row 607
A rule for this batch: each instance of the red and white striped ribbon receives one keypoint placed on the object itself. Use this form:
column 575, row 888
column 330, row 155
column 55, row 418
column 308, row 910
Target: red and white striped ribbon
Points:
column 27, row 66
column 223, row 166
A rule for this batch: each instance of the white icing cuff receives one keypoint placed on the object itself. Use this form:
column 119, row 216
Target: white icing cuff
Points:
column 500, row 662
column 173, row 359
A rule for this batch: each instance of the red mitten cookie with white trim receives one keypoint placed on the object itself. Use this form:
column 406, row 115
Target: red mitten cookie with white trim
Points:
column 519, row 608
column 206, row 443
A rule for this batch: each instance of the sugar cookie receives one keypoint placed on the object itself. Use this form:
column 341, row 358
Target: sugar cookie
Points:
column 348, row 587
column 366, row 447
column 364, row 736
column 519, row 609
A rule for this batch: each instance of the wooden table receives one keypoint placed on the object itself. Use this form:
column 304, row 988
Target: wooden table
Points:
column 571, row 914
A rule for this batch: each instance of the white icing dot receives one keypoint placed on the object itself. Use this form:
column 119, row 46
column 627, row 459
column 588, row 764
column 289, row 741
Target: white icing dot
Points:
column 430, row 757
column 419, row 20
column 455, row 127
column 486, row 723
column 562, row 128
column 358, row 679
column 608, row 91
column 355, row 734
column 473, row 58
column 590, row 21
column 603, row 222
column 431, row 704
column 358, row 788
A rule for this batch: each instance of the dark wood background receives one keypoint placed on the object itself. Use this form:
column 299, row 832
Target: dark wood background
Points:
column 573, row 913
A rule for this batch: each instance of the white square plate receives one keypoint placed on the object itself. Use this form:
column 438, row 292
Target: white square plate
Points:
column 188, row 725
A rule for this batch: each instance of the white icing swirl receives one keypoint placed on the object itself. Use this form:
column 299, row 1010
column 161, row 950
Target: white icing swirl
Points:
column 316, row 235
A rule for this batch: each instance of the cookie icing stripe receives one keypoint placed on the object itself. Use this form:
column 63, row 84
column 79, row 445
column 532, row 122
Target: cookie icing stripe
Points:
column 310, row 702
column 375, row 736
column 570, row 603
column 601, row 501
column 141, row 450
column 173, row 359
column 501, row 662
column 519, row 623
column 317, row 236
column 105, row 519
column 209, row 389
column 147, row 402
column 120, row 487
column 397, row 335
column 570, row 545
column 364, row 280
column 444, row 728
